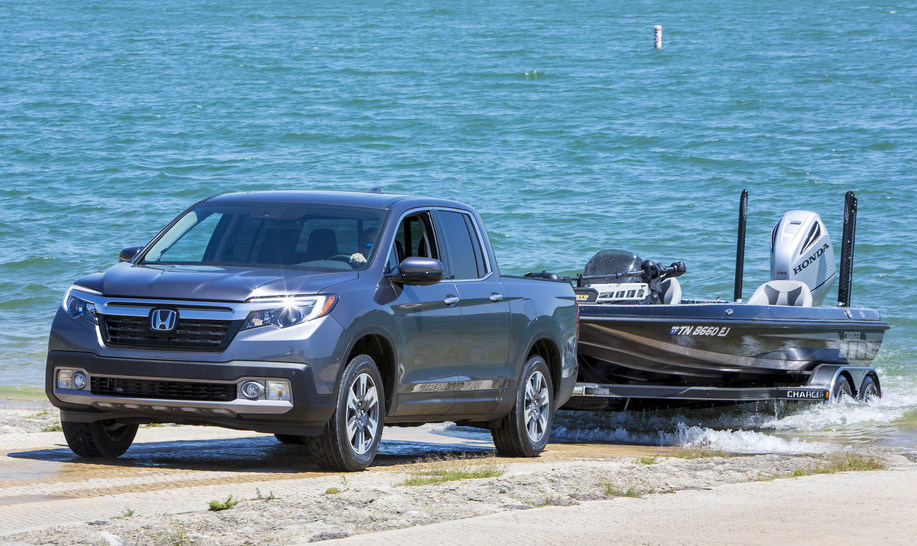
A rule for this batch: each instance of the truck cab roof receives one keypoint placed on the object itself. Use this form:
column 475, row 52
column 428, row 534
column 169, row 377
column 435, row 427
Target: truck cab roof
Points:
column 377, row 200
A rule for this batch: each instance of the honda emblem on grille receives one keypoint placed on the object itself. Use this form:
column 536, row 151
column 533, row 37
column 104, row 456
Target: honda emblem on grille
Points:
column 163, row 320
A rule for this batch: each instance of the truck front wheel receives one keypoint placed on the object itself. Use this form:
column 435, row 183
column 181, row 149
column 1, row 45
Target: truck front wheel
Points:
column 107, row 439
column 525, row 430
column 351, row 438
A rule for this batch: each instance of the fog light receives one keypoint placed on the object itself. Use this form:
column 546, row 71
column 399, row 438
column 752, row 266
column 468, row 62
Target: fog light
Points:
column 79, row 380
column 64, row 379
column 277, row 390
column 252, row 390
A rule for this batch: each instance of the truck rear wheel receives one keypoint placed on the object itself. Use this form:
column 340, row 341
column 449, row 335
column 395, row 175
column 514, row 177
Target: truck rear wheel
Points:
column 525, row 430
column 351, row 438
column 107, row 439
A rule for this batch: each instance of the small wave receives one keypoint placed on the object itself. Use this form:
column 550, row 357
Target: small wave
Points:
column 743, row 441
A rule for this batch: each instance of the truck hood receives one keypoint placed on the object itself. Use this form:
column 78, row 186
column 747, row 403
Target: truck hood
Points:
column 209, row 283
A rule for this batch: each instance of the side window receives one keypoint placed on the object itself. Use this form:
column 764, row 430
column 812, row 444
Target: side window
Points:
column 480, row 262
column 466, row 258
column 415, row 238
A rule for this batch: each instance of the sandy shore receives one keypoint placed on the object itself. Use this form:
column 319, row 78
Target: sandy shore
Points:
column 161, row 492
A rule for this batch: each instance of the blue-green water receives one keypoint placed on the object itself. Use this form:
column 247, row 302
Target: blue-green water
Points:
column 557, row 120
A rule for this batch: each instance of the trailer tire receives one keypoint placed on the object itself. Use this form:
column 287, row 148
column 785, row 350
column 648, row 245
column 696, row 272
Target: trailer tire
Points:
column 869, row 389
column 99, row 439
column 841, row 389
column 524, row 432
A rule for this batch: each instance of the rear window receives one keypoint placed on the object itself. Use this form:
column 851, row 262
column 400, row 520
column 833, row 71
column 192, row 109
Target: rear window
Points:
column 271, row 235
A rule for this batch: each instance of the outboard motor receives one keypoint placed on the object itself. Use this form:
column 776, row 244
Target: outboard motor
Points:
column 801, row 250
column 618, row 276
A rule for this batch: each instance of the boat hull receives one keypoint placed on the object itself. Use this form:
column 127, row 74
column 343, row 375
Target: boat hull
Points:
column 721, row 343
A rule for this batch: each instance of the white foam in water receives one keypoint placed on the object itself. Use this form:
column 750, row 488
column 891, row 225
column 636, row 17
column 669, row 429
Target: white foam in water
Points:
column 744, row 441
column 899, row 397
column 733, row 441
column 793, row 429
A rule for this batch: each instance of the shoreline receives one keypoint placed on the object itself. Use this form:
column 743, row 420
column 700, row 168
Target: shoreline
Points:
column 159, row 492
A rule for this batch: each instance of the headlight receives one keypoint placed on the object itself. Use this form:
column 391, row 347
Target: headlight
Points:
column 76, row 306
column 283, row 313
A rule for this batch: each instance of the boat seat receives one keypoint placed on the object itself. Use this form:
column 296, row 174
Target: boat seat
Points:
column 794, row 293
column 670, row 291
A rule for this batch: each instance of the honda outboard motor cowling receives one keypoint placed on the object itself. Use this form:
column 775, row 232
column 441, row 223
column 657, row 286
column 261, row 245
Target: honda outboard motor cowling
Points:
column 801, row 250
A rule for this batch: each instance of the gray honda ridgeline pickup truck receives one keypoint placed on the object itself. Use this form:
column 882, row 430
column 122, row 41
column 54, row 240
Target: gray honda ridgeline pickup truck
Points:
column 315, row 316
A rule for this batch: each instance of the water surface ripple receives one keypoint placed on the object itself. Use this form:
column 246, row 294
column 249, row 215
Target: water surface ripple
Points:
column 557, row 120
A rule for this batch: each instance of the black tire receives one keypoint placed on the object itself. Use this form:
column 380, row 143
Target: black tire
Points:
column 290, row 439
column 869, row 389
column 841, row 389
column 105, row 439
column 351, row 438
column 524, row 432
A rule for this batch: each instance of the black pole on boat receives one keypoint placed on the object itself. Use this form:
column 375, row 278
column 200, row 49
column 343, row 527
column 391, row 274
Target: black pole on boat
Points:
column 850, row 228
column 740, row 245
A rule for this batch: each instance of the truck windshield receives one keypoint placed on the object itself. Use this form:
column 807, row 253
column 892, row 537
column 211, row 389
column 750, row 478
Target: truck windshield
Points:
column 271, row 235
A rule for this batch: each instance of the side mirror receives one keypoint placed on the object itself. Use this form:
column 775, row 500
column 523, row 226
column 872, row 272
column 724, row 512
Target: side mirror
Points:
column 419, row 271
column 128, row 254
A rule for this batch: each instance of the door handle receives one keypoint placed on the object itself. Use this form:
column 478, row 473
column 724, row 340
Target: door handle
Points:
column 451, row 300
column 496, row 296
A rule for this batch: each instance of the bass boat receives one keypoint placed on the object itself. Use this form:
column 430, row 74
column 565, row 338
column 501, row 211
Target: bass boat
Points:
column 636, row 328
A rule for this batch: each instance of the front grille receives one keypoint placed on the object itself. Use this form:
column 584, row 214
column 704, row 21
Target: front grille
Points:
column 166, row 390
column 201, row 335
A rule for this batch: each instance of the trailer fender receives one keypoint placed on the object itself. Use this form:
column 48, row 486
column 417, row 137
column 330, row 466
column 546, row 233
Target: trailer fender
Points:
column 827, row 376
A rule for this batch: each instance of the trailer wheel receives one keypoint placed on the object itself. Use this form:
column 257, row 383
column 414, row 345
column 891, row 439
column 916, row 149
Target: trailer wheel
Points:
column 869, row 389
column 106, row 439
column 842, row 389
column 525, row 430
column 351, row 438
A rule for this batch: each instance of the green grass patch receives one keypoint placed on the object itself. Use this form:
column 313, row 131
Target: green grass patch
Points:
column 217, row 506
column 126, row 513
column 56, row 427
column 647, row 460
column 612, row 490
column 442, row 475
column 177, row 535
column 843, row 462
column 549, row 501
column 259, row 496
column 21, row 393
column 332, row 491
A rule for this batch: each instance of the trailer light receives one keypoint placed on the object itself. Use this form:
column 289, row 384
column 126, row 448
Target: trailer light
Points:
column 252, row 390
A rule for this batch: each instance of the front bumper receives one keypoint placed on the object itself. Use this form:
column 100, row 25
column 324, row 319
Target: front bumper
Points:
column 181, row 391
